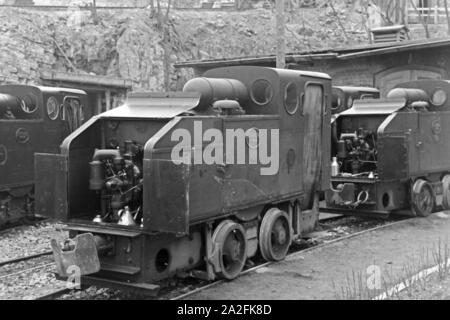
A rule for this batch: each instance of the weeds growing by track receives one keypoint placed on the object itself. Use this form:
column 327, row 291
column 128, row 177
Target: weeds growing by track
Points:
column 377, row 283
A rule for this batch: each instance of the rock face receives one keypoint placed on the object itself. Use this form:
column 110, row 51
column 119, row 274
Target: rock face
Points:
column 25, row 48
column 131, row 44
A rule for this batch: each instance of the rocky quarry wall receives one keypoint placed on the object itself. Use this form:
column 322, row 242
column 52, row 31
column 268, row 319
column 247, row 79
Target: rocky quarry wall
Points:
column 130, row 43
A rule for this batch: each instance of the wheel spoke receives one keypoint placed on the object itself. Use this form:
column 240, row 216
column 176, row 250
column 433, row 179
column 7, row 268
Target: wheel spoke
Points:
column 274, row 235
column 423, row 198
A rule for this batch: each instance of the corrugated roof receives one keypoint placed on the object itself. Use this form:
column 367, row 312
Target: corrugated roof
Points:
column 87, row 79
column 344, row 53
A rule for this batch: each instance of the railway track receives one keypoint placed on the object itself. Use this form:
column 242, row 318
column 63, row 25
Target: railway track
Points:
column 52, row 295
column 178, row 291
column 24, row 270
column 20, row 277
column 291, row 255
column 47, row 293
column 26, row 258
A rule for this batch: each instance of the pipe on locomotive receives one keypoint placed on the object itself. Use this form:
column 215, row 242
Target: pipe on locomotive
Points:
column 212, row 90
column 411, row 95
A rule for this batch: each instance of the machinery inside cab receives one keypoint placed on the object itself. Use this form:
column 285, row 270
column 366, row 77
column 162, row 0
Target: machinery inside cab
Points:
column 32, row 119
column 344, row 96
column 379, row 143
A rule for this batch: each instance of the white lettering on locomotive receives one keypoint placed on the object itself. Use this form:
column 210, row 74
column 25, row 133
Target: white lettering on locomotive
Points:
column 188, row 151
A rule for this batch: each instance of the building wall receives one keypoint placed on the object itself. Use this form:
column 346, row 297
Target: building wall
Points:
column 376, row 71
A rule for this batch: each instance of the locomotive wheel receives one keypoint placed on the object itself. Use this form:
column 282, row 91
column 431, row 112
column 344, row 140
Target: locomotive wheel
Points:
column 423, row 198
column 275, row 235
column 230, row 237
column 446, row 192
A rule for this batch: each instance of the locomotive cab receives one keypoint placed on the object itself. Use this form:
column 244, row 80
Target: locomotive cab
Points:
column 386, row 150
column 163, row 184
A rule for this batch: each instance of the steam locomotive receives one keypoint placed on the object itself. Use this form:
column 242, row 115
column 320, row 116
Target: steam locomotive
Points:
column 392, row 155
column 151, row 189
column 32, row 119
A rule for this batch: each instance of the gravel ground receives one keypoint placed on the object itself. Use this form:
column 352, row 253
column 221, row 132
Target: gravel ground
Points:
column 23, row 265
column 28, row 240
column 27, row 284
column 27, row 279
column 336, row 228
column 94, row 293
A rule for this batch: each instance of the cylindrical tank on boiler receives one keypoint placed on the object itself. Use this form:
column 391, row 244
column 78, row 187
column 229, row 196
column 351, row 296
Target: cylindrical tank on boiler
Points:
column 409, row 94
column 212, row 89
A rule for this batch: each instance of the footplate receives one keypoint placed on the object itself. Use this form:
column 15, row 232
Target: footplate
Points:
column 80, row 252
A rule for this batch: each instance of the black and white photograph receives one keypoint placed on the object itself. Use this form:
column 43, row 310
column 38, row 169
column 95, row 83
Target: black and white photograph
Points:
column 219, row 158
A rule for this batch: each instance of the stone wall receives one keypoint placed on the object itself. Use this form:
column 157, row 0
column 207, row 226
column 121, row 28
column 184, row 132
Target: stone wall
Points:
column 130, row 44
column 25, row 49
column 110, row 3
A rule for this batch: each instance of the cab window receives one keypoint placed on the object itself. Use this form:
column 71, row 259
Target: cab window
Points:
column 19, row 108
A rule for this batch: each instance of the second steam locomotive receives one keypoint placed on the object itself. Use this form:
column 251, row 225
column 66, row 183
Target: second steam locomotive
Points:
column 32, row 119
column 393, row 155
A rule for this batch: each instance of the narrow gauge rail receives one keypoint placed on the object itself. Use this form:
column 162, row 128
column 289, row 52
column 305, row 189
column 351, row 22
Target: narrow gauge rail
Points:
column 291, row 255
column 169, row 294
column 26, row 258
column 52, row 295
column 15, row 273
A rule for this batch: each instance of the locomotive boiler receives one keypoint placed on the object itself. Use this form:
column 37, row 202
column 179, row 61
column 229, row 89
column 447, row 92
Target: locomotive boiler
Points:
column 393, row 154
column 32, row 119
column 151, row 190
